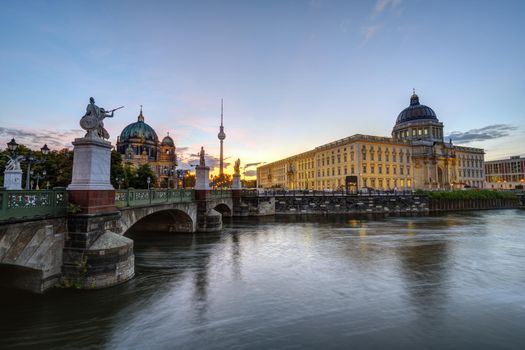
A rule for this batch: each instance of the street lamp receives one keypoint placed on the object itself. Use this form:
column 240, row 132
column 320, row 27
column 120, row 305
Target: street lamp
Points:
column 119, row 181
column 45, row 150
column 12, row 145
column 38, row 177
column 169, row 172
column 148, row 181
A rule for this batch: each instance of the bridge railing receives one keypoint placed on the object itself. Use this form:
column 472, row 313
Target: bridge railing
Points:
column 32, row 204
column 323, row 193
column 134, row 197
column 218, row 194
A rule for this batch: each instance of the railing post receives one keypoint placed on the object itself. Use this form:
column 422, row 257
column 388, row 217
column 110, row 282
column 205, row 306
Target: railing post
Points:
column 3, row 205
column 127, row 197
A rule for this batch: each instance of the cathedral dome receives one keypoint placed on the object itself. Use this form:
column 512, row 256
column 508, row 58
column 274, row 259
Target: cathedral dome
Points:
column 139, row 130
column 416, row 111
column 168, row 141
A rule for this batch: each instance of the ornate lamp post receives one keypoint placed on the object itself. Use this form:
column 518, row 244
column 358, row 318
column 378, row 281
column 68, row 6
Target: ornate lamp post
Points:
column 169, row 173
column 12, row 146
column 38, row 177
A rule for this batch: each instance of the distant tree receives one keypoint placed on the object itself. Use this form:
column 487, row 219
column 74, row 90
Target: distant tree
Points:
column 140, row 180
column 57, row 164
column 222, row 181
column 189, row 181
column 117, row 170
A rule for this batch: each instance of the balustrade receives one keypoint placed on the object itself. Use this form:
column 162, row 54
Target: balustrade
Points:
column 32, row 204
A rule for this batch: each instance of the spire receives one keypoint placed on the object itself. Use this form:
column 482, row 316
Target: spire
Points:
column 221, row 112
column 141, row 116
column 414, row 99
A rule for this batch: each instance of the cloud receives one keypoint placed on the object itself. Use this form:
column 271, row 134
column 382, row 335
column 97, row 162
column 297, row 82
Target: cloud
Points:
column 382, row 5
column 344, row 25
column 250, row 173
column 370, row 31
column 252, row 164
column 488, row 132
column 36, row 138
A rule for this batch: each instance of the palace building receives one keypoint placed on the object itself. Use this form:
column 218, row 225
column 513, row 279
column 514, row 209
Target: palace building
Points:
column 414, row 157
column 139, row 144
column 505, row 173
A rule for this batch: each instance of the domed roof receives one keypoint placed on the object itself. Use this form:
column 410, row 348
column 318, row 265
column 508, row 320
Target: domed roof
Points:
column 139, row 129
column 168, row 141
column 416, row 111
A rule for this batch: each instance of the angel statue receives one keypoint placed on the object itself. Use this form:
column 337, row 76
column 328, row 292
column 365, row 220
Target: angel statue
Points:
column 92, row 121
column 14, row 163
column 237, row 167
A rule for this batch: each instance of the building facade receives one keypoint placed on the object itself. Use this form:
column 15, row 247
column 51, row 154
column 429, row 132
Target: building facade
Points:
column 139, row 144
column 414, row 157
column 505, row 173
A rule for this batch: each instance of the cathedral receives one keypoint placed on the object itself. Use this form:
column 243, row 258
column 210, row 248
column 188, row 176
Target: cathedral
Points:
column 415, row 157
column 139, row 144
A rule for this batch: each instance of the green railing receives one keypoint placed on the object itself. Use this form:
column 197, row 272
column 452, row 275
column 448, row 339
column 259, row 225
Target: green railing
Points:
column 217, row 194
column 136, row 198
column 32, row 204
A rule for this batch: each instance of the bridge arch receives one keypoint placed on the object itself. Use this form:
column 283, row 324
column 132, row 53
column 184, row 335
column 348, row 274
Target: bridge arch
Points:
column 162, row 218
column 169, row 220
column 224, row 209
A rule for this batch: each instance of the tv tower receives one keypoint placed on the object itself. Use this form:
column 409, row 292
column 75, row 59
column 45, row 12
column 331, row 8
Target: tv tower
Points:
column 221, row 137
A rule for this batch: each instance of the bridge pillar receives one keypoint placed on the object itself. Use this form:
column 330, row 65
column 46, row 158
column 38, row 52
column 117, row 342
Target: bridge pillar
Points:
column 94, row 256
column 208, row 219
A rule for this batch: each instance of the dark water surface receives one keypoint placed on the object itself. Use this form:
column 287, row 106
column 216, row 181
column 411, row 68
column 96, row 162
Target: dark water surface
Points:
column 449, row 282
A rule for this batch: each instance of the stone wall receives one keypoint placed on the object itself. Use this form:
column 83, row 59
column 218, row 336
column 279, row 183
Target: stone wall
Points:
column 254, row 206
column 351, row 204
column 436, row 205
column 31, row 254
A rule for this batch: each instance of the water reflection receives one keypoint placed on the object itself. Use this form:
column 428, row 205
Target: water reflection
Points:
column 450, row 281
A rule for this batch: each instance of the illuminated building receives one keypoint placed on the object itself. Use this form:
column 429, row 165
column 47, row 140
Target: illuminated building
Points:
column 415, row 156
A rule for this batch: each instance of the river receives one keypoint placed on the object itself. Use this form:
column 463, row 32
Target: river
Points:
column 439, row 282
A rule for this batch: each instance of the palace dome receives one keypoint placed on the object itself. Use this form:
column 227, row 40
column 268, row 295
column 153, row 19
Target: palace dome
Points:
column 139, row 130
column 168, row 141
column 416, row 111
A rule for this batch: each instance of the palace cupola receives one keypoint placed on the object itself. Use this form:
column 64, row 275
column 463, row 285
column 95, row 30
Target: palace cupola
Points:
column 417, row 122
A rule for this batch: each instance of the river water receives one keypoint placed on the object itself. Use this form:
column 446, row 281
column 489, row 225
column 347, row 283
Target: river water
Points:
column 452, row 281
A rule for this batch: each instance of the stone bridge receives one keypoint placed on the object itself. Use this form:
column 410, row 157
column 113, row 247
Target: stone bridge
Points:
column 41, row 244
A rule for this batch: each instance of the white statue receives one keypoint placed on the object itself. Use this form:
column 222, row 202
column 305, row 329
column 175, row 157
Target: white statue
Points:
column 14, row 163
column 92, row 121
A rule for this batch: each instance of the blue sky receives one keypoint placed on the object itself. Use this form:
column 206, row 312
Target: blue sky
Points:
column 293, row 74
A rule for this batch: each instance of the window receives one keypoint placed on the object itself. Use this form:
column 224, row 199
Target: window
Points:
column 372, row 168
column 380, row 169
column 352, row 170
column 364, row 169
column 401, row 170
column 387, row 169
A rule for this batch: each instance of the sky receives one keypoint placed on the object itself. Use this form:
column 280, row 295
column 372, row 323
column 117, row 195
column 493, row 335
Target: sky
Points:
column 293, row 74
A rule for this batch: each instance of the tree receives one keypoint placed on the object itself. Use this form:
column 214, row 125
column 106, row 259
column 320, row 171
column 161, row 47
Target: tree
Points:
column 140, row 179
column 117, row 169
column 222, row 181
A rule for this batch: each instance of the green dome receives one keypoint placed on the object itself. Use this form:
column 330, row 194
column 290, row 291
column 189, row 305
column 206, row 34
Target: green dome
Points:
column 168, row 141
column 139, row 129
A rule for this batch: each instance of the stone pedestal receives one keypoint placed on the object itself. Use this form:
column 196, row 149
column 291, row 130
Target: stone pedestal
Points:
column 91, row 187
column 94, row 256
column 236, row 184
column 13, row 179
column 202, row 178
